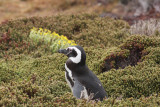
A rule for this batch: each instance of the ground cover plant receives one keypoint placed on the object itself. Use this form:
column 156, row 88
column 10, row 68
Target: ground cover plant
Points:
column 55, row 40
column 31, row 75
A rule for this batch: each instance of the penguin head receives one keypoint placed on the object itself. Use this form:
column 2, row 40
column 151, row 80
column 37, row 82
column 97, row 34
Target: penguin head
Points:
column 75, row 53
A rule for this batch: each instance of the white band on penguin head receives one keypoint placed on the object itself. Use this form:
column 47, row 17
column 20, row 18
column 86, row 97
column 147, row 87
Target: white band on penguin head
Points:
column 76, row 59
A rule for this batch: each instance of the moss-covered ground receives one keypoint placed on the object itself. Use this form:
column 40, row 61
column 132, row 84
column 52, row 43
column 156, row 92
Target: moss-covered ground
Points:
column 31, row 75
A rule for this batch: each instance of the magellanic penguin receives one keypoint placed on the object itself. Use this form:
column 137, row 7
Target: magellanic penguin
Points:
column 82, row 81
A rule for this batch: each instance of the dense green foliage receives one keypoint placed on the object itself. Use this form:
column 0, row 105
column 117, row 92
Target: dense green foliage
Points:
column 32, row 75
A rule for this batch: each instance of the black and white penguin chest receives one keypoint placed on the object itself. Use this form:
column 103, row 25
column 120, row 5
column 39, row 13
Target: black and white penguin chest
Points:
column 78, row 90
column 69, row 77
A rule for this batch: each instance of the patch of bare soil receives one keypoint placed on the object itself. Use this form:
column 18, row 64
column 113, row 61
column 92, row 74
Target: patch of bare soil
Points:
column 130, row 10
column 119, row 61
column 13, row 9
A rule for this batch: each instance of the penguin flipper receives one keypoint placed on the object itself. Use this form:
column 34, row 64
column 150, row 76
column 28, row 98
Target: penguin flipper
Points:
column 93, row 86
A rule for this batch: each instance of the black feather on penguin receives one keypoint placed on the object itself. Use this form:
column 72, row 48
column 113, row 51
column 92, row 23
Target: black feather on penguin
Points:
column 82, row 81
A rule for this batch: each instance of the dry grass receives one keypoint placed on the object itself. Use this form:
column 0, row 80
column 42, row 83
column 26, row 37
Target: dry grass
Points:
column 13, row 9
column 146, row 27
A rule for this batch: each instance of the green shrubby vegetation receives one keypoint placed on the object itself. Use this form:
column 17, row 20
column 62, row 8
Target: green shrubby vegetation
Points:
column 31, row 75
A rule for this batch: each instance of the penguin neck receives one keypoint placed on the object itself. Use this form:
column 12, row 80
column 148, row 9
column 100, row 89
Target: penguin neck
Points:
column 70, row 62
column 74, row 68
column 78, row 60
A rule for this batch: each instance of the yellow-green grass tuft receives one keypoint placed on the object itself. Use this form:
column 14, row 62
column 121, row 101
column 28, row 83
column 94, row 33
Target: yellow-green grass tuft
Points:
column 55, row 40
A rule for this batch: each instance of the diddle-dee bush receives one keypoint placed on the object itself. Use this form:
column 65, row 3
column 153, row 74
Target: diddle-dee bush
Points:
column 55, row 40
column 32, row 75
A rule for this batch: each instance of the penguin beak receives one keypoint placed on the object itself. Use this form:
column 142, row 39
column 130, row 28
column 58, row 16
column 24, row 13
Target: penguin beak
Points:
column 63, row 51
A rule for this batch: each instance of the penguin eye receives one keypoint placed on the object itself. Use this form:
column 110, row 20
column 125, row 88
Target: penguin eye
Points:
column 69, row 49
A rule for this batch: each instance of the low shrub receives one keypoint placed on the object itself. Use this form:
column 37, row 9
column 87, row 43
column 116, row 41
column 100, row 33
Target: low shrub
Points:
column 31, row 75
